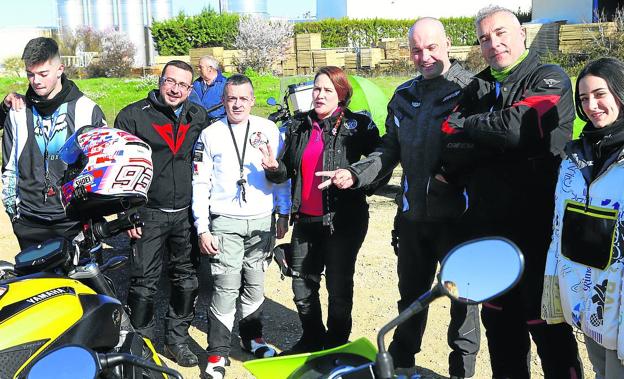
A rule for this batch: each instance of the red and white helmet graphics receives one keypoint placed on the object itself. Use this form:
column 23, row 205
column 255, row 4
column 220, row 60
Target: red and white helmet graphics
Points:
column 116, row 163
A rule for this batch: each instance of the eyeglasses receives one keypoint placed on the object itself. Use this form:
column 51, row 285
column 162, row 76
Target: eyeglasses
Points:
column 169, row 82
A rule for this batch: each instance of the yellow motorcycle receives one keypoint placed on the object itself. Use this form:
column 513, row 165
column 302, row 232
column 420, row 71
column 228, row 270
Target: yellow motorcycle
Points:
column 56, row 294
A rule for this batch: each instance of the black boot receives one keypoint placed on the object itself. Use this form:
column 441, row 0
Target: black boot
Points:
column 181, row 354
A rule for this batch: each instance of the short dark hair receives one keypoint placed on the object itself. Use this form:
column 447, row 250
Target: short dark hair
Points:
column 40, row 50
column 237, row 80
column 179, row 64
column 612, row 71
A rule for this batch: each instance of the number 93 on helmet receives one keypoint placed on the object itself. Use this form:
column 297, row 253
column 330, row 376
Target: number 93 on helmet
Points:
column 108, row 171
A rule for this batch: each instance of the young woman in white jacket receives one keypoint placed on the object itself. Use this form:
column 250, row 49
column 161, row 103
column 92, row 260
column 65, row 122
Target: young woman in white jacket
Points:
column 585, row 264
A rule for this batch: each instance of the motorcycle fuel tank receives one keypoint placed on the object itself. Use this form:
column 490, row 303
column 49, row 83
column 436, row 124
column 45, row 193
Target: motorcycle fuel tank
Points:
column 39, row 312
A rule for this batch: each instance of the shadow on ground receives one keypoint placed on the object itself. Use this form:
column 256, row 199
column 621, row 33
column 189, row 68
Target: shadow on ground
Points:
column 279, row 321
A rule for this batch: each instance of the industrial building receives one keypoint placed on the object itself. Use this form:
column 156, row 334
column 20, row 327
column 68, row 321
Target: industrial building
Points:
column 574, row 11
column 408, row 9
column 132, row 17
column 257, row 8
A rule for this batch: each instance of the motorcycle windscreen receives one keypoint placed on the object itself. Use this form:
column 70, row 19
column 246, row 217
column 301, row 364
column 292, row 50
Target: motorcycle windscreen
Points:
column 588, row 234
column 283, row 367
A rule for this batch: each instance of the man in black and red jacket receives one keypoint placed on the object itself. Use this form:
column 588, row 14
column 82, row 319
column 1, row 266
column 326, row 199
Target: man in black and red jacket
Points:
column 170, row 124
column 504, row 144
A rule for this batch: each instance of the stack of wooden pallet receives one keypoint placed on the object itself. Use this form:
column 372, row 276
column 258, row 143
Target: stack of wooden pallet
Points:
column 196, row 54
column 304, row 44
column 395, row 49
column 370, row 57
column 161, row 60
column 574, row 38
column 351, row 61
column 288, row 66
column 230, row 60
column 461, row 52
column 543, row 38
column 328, row 57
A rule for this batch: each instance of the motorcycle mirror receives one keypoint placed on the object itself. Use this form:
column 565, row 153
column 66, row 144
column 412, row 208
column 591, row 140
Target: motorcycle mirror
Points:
column 271, row 101
column 67, row 362
column 481, row 269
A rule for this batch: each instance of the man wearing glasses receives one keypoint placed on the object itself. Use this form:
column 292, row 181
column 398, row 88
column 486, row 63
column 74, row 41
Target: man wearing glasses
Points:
column 208, row 88
column 170, row 124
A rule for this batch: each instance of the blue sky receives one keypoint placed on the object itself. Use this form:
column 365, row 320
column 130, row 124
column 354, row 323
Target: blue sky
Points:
column 43, row 12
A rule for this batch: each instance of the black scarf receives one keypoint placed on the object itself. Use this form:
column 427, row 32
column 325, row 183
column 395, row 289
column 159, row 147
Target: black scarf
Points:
column 605, row 144
column 47, row 107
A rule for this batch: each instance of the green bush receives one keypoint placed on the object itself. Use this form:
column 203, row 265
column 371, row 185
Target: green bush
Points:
column 366, row 33
column 178, row 35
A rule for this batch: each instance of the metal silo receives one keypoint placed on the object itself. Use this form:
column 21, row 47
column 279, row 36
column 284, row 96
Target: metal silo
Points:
column 71, row 14
column 131, row 22
column 101, row 14
column 157, row 10
column 250, row 7
column 160, row 10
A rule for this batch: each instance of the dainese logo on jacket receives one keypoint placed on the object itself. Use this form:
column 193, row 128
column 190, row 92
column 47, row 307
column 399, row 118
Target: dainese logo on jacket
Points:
column 551, row 82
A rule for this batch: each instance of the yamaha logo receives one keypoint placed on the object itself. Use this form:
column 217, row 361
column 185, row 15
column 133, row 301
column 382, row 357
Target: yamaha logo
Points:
column 50, row 294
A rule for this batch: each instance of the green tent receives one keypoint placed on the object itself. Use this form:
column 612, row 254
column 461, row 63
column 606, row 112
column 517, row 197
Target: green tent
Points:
column 367, row 95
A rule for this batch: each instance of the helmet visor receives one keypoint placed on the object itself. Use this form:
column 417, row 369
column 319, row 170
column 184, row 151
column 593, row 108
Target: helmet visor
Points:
column 71, row 150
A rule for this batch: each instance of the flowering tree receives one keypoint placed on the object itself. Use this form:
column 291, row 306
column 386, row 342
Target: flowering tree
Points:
column 116, row 58
column 263, row 42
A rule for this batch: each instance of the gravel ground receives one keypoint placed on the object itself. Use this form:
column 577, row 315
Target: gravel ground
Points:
column 374, row 301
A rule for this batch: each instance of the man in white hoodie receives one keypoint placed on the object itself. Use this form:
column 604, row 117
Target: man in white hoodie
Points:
column 232, row 206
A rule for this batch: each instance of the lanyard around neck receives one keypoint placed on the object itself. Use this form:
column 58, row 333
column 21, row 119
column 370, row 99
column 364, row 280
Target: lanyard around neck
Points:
column 241, row 158
column 48, row 189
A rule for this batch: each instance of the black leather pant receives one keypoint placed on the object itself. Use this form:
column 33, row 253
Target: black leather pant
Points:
column 421, row 246
column 314, row 248
column 163, row 232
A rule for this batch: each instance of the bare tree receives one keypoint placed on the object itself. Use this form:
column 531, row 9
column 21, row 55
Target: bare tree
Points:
column 262, row 42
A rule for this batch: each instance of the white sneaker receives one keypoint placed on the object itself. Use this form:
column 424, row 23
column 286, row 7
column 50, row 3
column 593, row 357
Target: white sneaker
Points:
column 215, row 368
column 258, row 347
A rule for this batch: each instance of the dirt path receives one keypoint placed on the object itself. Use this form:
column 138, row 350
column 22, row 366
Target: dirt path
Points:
column 375, row 303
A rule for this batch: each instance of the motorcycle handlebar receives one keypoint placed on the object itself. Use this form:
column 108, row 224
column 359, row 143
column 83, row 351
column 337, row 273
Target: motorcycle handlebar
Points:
column 105, row 229
column 115, row 359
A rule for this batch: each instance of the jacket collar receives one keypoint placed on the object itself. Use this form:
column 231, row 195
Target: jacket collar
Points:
column 527, row 65
column 456, row 70
column 154, row 99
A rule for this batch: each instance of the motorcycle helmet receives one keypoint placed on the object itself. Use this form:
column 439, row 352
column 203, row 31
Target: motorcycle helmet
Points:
column 109, row 171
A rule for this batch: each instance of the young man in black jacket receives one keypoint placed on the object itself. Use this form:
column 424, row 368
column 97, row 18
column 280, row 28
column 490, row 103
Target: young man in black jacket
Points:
column 31, row 168
column 505, row 144
column 170, row 124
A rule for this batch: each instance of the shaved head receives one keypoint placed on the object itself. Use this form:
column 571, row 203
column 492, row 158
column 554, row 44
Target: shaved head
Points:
column 431, row 23
column 429, row 47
